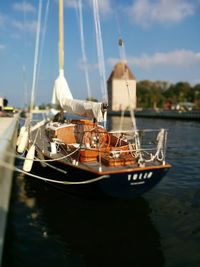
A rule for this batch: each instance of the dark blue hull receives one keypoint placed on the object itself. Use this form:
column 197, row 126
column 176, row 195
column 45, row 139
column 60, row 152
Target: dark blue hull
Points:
column 132, row 184
column 124, row 184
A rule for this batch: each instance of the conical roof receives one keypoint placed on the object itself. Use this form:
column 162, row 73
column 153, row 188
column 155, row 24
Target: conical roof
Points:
column 121, row 71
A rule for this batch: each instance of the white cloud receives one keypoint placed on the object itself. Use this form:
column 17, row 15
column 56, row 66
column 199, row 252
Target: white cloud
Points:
column 71, row 3
column 2, row 20
column 2, row 47
column 180, row 58
column 28, row 26
column 147, row 12
column 104, row 5
column 195, row 81
column 23, row 7
column 90, row 67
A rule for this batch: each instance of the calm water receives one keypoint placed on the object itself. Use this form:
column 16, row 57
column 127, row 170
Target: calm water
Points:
column 162, row 228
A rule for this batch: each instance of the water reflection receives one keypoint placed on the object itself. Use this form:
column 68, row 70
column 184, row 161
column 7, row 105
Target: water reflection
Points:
column 78, row 231
column 54, row 229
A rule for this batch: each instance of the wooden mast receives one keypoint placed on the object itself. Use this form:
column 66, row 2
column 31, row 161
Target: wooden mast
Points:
column 60, row 37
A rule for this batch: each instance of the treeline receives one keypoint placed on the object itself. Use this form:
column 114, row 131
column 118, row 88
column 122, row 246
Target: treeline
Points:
column 157, row 94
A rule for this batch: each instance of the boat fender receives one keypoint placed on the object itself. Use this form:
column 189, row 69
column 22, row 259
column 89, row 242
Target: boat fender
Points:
column 115, row 154
column 53, row 148
column 21, row 132
column 87, row 145
column 23, row 142
column 28, row 163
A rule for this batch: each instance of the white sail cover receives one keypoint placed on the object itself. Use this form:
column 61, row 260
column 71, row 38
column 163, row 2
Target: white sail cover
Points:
column 61, row 89
column 62, row 96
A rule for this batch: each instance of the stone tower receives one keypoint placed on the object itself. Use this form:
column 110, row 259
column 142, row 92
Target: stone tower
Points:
column 120, row 82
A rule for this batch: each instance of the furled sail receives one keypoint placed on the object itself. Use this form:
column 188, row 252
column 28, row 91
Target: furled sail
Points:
column 62, row 97
column 61, row 89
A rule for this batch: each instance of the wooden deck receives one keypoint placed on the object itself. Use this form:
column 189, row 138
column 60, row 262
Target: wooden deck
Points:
column 43, row 144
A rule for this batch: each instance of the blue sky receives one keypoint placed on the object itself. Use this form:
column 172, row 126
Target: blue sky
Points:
column 161, row 38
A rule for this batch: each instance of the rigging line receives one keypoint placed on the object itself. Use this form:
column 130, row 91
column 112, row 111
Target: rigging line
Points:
column 122, row 55
column 10, row 167
column 124, row 60
column 45, row 160
column 83, row 50
column 122, row 51
column 25, row 85
column 76, row 9
column 43, row 39
column 100, row 52
column 66, row 156
column 136, row 136
column 121, row 119
column 53, row 167
column 35, row 139
column 24, row 66
column 33, row 120
column 36, row 58
column 24, row 18
column 117, row 22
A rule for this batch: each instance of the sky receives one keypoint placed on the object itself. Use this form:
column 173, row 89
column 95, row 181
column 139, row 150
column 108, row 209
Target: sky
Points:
column 161, row 42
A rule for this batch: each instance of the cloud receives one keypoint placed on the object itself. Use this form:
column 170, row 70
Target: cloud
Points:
column 90, row 67
column 23, row 7
column 104, row 5
column 2, row 20
column 175, row 58
column 28, row 26
column 147, row 12
column 2, row 47
column 71, row 3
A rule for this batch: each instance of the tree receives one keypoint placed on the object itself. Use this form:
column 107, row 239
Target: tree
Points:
column 196, row 95
column 5, row 102
column 149, row 94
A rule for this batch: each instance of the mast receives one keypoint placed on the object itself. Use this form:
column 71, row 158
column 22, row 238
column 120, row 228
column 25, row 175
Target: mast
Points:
column 60, row 37
column 61, row 87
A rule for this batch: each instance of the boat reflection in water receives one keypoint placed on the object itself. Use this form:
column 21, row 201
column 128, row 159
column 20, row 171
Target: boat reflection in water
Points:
column 60, row 229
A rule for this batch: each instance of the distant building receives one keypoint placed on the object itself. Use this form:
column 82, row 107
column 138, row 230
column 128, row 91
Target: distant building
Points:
column 167, row 105
column 1, row 103
column 185, row 106
column 119, row 84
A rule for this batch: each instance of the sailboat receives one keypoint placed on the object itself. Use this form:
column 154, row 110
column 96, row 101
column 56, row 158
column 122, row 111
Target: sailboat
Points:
column 82, row 154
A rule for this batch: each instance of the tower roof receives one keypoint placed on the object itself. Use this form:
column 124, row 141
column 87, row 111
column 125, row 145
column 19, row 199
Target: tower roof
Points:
column 121, row 71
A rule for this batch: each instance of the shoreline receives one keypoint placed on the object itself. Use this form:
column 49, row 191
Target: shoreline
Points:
column 166, row 114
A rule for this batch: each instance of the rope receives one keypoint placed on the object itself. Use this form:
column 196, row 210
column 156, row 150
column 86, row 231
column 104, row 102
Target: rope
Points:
column 10, row 167
column 56, row 159
column 36, row 136
column 53, row 167
column 60, row 158
column 22, row 118
column 45, row 160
